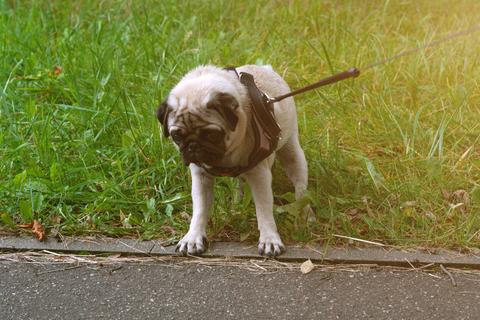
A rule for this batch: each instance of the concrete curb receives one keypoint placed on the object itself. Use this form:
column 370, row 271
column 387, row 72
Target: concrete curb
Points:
column 384, row 256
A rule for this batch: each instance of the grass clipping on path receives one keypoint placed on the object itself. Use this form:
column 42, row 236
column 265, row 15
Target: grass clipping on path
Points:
column 392, row 154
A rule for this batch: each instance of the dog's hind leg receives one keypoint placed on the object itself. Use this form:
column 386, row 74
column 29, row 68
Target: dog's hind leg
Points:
column 292, row 158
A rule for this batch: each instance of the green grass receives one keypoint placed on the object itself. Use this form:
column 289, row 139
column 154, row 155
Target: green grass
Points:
column 386, row 151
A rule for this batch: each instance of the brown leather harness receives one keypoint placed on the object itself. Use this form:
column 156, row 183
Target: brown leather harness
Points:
column 266, row 130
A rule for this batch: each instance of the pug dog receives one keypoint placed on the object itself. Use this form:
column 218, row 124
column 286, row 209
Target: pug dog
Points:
column 208, row 117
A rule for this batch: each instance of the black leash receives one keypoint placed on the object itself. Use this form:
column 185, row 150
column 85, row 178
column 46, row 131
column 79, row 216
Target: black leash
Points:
column 263, row 121
column 354, row 72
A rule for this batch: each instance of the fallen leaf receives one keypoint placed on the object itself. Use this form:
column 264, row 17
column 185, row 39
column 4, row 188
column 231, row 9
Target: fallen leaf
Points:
column 55, row 230
column 244, row 236
column 57, row 71
column 462, row 196
column 363, row 87
column 369, row 210
column 36, row 228
column 430, row 215
column 355, row 215
column 447, row 194
column 90, row 222
column 185, row 216
column 353, row 212
column 26, row 225
column 394, row 198
column 307, row 266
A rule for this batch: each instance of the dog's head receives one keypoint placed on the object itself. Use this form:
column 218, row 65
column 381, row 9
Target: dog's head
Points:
column 201, row 115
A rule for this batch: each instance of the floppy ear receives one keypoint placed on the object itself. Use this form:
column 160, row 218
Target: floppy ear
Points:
column 226, row 105
column 162, row 115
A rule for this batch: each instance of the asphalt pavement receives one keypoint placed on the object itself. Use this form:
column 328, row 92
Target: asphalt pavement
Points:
column 99, row 278
column 159, row 290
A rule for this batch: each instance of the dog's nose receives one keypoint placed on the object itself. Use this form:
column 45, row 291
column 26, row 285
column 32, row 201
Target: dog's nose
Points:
column 193, row 147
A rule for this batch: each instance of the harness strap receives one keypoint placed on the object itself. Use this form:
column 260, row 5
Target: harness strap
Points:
column 262, row 109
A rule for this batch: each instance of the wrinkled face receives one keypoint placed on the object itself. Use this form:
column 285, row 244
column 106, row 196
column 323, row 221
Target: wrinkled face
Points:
column 200, row 128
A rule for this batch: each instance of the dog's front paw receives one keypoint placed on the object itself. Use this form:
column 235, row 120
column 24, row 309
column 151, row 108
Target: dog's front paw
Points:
column 192, row 243
column 270, row 244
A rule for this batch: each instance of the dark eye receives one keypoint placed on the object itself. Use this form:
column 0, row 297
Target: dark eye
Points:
column 177, row 137
column 213, row 136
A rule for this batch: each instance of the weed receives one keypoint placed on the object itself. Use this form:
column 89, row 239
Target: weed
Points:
column 80, row 146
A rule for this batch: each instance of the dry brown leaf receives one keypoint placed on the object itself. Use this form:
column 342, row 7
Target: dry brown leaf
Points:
column 355, row 215
column 57, row 71
column 307, row 266
column 369, row 210
column 36, row 228
column 90, row 222
column 429, row 214
column 26, row 225
column 353, row 212
column 447, row 194
column 185, row 216
column 55, row 230
column 462, row 196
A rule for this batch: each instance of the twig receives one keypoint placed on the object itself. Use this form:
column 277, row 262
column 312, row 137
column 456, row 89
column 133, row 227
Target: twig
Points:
column 426, row 266
column 411, row 265
column 75, row 257
column 134, row 248
column 449, row 274
column 55, row 270
column 66, row 254
column 110, row 272
column 361, row 240
column 64, row 241
column 258, row 266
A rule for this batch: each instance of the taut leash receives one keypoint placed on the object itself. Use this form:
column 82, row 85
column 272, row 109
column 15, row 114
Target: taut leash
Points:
column 354, row 72
column 266, row 130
